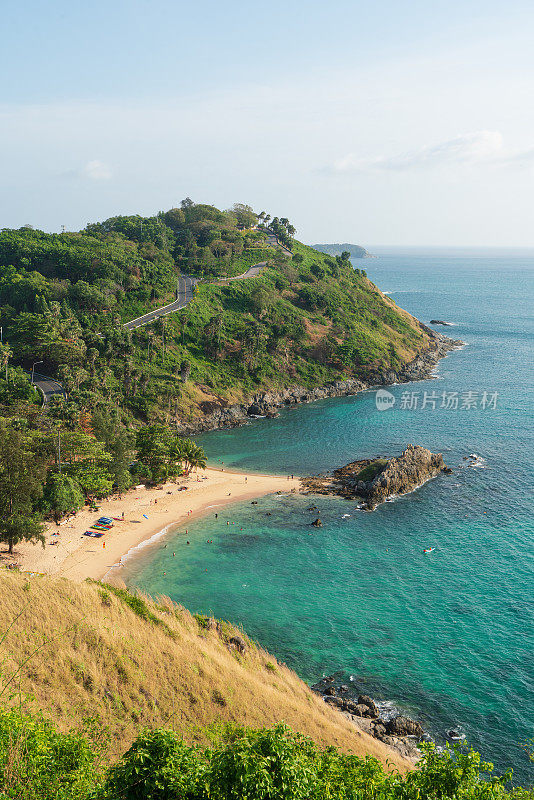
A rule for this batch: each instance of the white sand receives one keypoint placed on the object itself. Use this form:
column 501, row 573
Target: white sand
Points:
column 77, row 557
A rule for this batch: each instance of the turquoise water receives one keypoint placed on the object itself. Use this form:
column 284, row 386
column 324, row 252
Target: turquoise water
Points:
column 447, row 637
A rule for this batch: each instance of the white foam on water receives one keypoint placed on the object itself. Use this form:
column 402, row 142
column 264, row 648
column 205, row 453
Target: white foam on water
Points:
column 134, row 551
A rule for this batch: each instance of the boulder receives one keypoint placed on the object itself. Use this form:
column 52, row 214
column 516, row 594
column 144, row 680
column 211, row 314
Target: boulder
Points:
column 338, row 702
column 317, row 523
column 365, row 700
column 361, row 710
column 238, row 643
column 404, row 726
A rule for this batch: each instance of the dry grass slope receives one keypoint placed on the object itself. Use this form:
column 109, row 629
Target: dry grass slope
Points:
column 78, row 650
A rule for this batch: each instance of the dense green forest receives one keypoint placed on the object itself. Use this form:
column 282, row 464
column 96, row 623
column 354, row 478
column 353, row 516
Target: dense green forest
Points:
column 307, row 319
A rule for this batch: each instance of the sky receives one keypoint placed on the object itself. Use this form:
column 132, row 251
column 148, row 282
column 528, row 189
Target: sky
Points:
column 379, row 123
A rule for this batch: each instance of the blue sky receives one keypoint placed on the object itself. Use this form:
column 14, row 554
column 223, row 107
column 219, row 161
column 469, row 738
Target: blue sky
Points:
column 406, row 123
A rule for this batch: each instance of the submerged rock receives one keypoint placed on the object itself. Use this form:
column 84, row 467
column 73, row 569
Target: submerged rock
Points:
column 317, row 523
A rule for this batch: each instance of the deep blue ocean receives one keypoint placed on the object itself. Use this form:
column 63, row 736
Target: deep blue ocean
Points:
column 447, row 637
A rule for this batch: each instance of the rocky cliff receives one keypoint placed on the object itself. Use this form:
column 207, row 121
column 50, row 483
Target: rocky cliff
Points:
column 223, row 415
column 372, row 481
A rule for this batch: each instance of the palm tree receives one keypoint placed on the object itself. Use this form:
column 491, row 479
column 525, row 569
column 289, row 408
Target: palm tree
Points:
column 189, row 454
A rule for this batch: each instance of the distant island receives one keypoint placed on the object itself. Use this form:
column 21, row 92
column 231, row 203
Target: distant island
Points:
column 336, row 249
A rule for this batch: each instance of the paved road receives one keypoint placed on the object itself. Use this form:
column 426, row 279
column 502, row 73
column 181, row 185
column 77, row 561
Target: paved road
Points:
column 48, row 386
column 186, row 285
column 250, row 273
column 273, row 241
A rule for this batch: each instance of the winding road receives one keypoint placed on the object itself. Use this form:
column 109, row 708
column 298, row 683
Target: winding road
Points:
column 185, row 293
column 48, row 387
column 186, row 287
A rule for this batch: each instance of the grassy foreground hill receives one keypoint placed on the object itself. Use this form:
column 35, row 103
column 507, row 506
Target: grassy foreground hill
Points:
column 142, row 701
column 80, row 651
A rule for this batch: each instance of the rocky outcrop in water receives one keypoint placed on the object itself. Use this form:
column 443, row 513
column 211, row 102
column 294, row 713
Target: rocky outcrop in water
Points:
column 220, row 414
column 396, row 730
column 374, row 480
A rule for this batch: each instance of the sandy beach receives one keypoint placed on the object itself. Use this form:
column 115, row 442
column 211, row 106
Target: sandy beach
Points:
column 70, row 554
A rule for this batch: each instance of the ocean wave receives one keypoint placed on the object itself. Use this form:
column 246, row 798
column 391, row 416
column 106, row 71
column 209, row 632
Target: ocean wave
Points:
column 138, row 548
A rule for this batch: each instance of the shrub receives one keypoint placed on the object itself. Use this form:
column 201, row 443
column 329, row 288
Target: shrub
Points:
column 159, row 766
column 38, row 763
column 372, row 470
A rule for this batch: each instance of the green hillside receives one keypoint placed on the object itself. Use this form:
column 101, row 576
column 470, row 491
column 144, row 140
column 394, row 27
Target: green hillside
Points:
column 305, row 320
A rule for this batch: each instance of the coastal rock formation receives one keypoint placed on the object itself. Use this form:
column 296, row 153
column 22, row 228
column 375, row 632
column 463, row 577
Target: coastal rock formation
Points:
column 403, row 726
column 223, row 415
column 364, row 699
column 350, row 707
column 439, row 322
column 398, row 732
column 375, row 480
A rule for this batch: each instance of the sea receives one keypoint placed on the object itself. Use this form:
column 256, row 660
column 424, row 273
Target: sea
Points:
column 446, row 637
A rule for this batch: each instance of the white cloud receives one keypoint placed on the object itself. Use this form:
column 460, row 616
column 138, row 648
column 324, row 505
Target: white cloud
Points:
column 97, row 171
column 479, row 147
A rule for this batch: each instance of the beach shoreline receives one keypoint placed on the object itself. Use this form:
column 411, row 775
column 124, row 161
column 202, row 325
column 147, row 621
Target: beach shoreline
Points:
column 148, row 514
